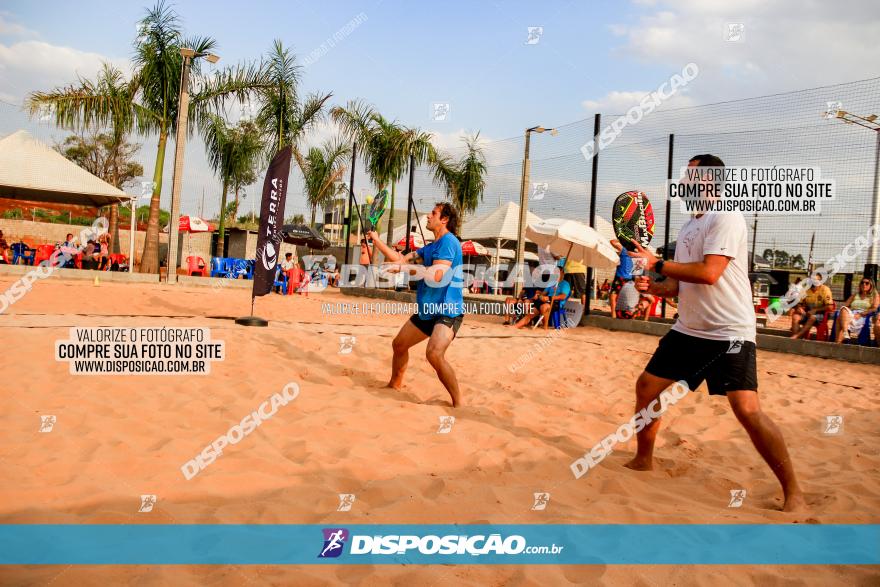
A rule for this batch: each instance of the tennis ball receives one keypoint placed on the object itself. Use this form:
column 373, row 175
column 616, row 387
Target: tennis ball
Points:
column 369, row 199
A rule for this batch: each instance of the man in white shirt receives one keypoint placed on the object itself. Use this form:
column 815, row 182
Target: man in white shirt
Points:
column 714, row 336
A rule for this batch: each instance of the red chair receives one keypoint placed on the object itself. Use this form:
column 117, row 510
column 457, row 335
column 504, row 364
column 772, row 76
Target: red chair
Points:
column 116, row 259
column 44, row 253
column 299, row 281
column 822, row 332
column 196, row 265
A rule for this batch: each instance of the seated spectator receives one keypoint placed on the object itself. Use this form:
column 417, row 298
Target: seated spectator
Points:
column 855, row 310
column 627, row 302
column 288, row 264
column 69, row 248
column 104, row 252
column 643, row 310
column 89, row 254
column 817, row 305
column 622, row 275
column 4, row 250
column 513, row 305
column 604, row 289
column 547, row 301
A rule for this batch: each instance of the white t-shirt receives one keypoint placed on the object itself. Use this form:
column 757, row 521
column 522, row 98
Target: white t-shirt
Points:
column 723, row 310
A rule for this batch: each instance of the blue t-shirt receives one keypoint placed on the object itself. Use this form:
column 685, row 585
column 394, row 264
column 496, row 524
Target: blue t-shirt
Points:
column 562, row 288
column 448, row 298
column 624, row 270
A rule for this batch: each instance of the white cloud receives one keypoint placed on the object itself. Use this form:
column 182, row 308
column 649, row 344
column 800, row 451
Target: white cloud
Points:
column 31, row 65
column 8, row 28
column 618, row 102
column 787, row 44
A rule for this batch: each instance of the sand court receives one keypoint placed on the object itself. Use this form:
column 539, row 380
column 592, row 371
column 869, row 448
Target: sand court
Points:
column 533, row 404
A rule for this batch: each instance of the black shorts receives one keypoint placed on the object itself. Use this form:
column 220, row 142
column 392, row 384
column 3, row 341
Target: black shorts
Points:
column 427, row 326
column 578, row 282
column 724, row 365
column 617, row 284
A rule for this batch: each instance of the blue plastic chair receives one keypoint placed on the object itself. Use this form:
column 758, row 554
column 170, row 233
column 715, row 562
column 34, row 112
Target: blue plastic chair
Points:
column 238, row 268
column 864, row 338
column 283, row 280
column 218, row 267
column 250, row 268
column 21, row 251
column 557, row 316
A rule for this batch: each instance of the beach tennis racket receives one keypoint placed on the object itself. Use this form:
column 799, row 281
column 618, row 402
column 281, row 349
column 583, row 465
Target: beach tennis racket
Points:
column 633, row 219
column 377, row 209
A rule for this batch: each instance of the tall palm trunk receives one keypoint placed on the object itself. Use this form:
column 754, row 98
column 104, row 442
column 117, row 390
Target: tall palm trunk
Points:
column 150, row 256
column 114, row 209
column 114, row 228
column 218, row 250
column 389, row 237
column 314, row 213
column 236, row 204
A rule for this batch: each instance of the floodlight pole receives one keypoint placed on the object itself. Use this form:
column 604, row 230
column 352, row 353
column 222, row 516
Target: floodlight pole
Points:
column 524, row 205
column 873, row 260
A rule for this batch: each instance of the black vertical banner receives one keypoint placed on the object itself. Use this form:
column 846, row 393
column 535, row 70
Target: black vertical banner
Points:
column 271, row 219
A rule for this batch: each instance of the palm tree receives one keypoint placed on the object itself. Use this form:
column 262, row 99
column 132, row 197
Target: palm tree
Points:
column 464, row 179
column 283, row 116
column 233, row 153
column 386, row 146
column 149, row 100
column 321, row 168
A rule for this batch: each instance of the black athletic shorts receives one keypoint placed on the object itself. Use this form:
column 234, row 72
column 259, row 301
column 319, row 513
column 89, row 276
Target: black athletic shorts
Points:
column 578, row 282
column 617, row 284
column 427, row 326
column 724, row 365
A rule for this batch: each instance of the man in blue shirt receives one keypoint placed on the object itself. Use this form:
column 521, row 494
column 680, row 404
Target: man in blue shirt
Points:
column 549, row 299
column 439, row 298
column 621, row 275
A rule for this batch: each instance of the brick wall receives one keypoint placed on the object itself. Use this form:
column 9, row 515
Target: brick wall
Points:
column 41, row 233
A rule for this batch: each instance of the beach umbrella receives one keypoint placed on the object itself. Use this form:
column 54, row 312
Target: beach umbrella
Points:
column 194, row 224
column 473, row 248
column 415, row 242
column 573, row 240
column 300, row 234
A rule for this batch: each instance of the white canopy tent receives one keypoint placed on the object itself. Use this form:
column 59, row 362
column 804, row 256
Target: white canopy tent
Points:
column 32, row 170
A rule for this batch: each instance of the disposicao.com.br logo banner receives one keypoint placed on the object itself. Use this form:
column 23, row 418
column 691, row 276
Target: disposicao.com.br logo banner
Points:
column 510, row 544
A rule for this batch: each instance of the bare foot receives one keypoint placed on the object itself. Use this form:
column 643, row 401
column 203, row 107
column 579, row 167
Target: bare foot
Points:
column 795, row 503
column 640, row 464
column 396, row 385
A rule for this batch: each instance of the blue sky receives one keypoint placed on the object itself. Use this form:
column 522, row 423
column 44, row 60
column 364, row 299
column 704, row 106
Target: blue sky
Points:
column 405, row 56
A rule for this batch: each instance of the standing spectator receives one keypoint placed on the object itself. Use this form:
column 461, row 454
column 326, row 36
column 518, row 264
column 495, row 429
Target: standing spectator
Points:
column 604, row 289
column 576, row 276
